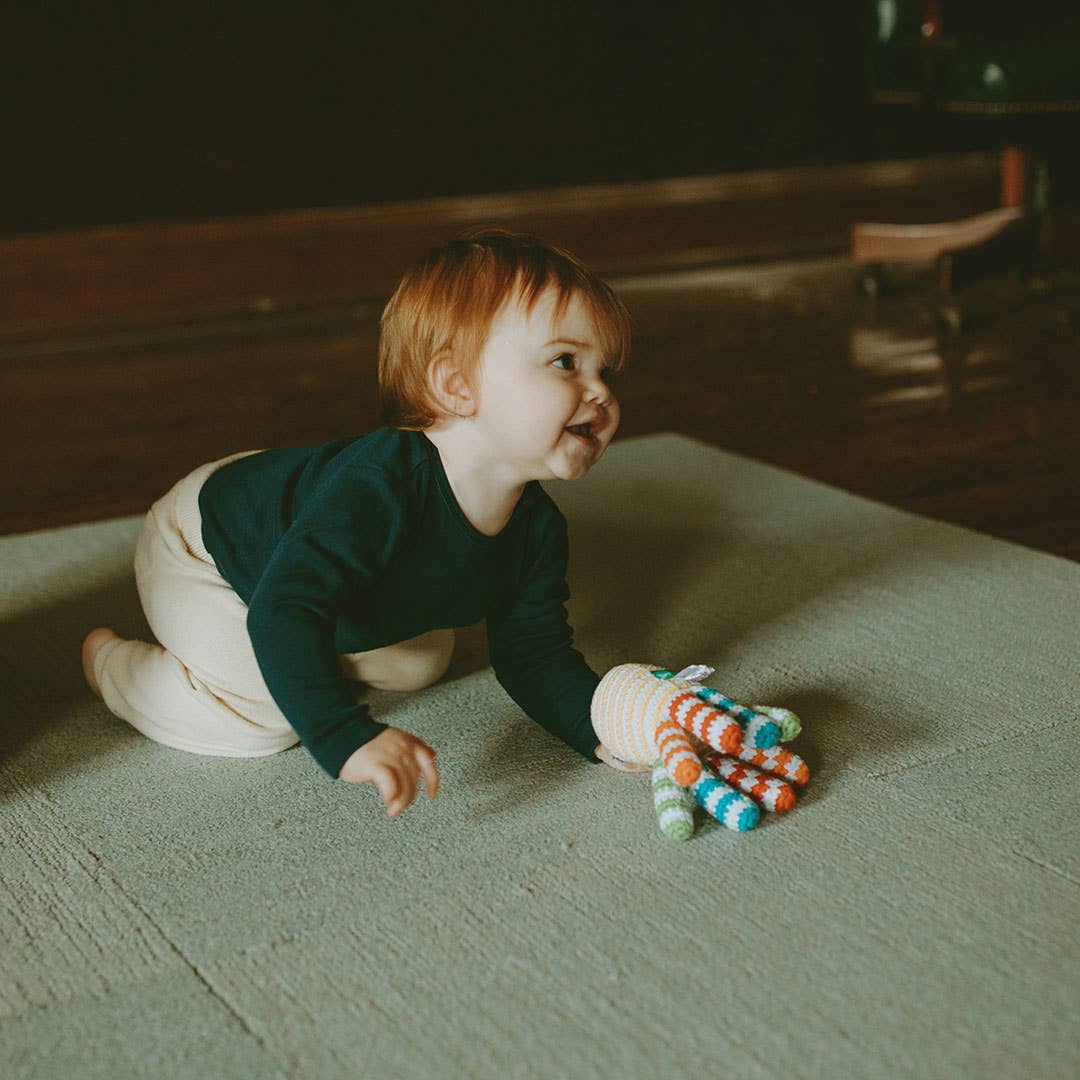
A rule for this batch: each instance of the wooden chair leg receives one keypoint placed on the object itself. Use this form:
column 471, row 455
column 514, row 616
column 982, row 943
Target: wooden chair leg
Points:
column 1015, row 167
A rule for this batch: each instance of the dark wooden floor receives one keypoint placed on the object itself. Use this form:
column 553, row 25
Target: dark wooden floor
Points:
column 781, row 361
column 788, row 364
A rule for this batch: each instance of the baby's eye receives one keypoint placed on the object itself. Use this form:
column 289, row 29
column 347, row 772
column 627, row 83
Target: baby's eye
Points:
column 568, row 357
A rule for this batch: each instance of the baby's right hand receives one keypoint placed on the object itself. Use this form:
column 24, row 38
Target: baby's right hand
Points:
column 394, row 761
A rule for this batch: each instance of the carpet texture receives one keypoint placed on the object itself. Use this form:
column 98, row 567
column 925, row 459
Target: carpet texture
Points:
column 169, row 915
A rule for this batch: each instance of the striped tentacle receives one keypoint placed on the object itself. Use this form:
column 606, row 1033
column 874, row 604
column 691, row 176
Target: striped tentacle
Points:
column 673, row 804
column 677, row 753
column 787, row 721
column 706, row 722
column 780, row 761
column 759, row 730
column 733, row 810
column 772, row 793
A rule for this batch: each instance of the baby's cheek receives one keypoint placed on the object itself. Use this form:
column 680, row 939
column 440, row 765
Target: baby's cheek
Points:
column 614, row 414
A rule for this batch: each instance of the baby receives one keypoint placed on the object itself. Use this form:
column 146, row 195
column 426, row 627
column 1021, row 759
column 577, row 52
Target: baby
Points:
column 276, row 580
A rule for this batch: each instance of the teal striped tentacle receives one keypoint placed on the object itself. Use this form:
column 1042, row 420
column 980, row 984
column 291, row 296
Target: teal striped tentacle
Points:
column 760, row 731
column 673, row 804
column 731, row 808
column 790, row 724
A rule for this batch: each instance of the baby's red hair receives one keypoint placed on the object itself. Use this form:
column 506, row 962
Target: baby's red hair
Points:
column 448, row 300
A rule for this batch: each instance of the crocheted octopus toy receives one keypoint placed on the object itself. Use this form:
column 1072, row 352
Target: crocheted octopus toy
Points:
column 701, row 745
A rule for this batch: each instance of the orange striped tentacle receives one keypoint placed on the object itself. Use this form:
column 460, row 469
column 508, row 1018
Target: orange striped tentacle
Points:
column 780, row 761
column 709, row 724
column 772, row 793
column 677, row 752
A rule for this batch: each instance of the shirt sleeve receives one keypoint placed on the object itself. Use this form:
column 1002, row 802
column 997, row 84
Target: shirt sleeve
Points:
column 320, row 570
column 530, row 646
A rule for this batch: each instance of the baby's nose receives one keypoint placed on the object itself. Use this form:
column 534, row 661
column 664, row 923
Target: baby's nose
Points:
column 597, row 390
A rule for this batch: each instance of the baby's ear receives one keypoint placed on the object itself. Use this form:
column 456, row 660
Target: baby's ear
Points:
column 449, row 386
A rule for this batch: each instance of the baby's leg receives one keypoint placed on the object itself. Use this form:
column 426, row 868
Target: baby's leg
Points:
column 91, row 646
column 199, row 687
column 158, row 695
column 408, row 665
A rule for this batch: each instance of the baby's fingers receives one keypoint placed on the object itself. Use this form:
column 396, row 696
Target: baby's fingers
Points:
column 388, row 785
column 408, row 782
column 429, row 770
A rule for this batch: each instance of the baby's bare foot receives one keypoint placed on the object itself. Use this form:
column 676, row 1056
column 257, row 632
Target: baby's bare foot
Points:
column 90, row 646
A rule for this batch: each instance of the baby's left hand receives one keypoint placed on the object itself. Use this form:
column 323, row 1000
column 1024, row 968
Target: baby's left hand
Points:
column 608, row 758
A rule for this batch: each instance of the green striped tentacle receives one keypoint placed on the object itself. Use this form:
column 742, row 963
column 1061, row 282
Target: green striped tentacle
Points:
column 674, row 805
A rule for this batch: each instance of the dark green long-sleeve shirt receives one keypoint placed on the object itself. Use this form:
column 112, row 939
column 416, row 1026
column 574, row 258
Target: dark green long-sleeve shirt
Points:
column 360, row 543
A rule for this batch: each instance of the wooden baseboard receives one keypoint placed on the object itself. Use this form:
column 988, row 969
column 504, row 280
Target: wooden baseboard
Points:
column 161, row 272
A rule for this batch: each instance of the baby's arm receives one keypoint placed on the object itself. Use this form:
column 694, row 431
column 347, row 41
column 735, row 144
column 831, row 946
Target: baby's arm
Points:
column 313, row 577
column 394, row 761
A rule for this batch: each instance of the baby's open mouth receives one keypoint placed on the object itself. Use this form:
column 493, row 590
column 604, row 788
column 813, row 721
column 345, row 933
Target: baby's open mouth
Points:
column 583, row 431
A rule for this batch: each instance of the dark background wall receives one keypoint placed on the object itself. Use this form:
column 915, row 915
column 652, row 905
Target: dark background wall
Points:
column 148, row 111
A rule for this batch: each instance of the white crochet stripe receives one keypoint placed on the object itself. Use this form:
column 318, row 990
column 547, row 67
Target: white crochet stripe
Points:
column 649, row 700
column 671, row 735
column 599, row 710
column 673, row 816
column 613, row 713
column 712, row 798
column 663, row 787
column 670, row 791
column 669, row 738
column 773, row 786
column 734, row 812
column 784, row 718
column 612, row 734
column 726, row 768
column 730, row 818
column 627, row 694
column 683, row 755
column 708, row 724
column 714, row 730
column 682, row 710
column 752, row 728
column 771, row 762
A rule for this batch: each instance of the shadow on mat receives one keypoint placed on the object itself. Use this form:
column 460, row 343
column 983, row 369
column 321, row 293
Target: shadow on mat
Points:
column 41, row 673
column 636, row 602
column 45, row 691
column 624, row 590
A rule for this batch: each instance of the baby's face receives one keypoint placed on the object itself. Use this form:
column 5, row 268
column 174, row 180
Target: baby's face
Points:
column 540, row 376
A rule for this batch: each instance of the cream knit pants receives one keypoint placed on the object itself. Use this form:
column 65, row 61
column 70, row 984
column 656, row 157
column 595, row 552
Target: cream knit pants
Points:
column 199, row 688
